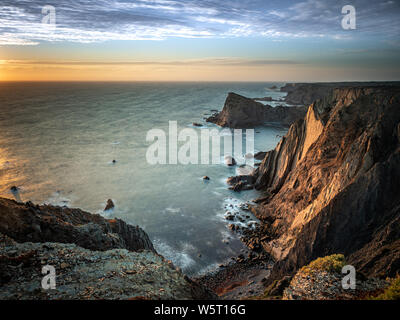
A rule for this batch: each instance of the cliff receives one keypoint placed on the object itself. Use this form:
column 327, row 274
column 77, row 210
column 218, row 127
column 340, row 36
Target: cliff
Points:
column 93, row 257
column 332, row 184
column 28, row 222
column 242, row 112
column 307, row 93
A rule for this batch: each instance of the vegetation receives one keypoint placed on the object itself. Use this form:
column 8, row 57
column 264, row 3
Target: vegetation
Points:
column 332, row 263
column 390, row 293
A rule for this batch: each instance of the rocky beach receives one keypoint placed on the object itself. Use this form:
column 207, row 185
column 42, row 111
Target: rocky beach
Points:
column 329, row 197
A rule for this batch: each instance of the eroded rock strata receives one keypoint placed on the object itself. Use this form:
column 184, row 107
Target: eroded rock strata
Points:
column 242, row 112
column 332, row 184
column 94, row 258
column 28, row 222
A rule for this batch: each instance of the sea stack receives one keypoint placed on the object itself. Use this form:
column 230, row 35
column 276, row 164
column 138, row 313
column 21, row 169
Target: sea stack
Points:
column 110, row 205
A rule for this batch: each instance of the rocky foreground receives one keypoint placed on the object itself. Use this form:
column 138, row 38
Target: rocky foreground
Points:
column 94, row 258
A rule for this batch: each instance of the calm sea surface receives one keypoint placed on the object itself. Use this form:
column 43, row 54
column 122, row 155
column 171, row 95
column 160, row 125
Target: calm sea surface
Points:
column 58, row 140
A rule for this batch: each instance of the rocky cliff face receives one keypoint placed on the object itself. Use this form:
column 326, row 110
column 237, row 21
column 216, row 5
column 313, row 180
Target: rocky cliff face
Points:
column 28, row 222
column 242, row 112
column 333, row 183
column 307, row 93
column 86, row 274
column 94, row 258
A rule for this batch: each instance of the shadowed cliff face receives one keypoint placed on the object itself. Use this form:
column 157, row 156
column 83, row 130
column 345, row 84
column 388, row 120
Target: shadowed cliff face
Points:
column 333, row 183
column 34, row 223
column 307, row 93
column 242, row 112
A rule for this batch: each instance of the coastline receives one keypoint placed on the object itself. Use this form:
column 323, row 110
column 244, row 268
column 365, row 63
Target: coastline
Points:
column 279, row 247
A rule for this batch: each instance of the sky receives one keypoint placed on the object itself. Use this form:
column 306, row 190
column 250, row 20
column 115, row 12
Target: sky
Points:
column 198, row 40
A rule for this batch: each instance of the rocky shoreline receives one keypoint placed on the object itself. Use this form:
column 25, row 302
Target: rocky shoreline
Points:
column 326, row 179
column 94, row 257
column 329, row 197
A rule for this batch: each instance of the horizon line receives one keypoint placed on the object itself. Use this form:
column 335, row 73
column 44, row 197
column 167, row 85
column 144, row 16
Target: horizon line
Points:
column 190, row 81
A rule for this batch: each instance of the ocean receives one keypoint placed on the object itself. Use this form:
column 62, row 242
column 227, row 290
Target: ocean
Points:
column 58, row 142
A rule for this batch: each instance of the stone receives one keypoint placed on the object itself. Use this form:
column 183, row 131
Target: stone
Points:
column 230, row 161
column 110, row 205
column 232, row 227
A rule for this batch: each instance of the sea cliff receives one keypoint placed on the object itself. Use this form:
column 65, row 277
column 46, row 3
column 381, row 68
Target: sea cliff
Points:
column 331, row 184
column 242, row 112
column 330, row 188
column 93, row 257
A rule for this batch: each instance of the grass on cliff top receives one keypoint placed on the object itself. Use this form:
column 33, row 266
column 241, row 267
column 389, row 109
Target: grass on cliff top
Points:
column 332, row 263
column 390, row 293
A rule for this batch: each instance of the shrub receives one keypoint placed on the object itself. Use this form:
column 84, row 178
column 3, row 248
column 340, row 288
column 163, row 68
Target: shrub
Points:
column 391, row 293
column 332, row 263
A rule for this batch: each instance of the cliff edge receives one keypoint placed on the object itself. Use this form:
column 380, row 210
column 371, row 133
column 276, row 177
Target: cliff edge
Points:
column 332, row 184
column 93, row 257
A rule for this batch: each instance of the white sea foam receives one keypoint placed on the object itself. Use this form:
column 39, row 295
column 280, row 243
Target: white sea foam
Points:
column 57, row 199
column 180, row 257
column 173, row 210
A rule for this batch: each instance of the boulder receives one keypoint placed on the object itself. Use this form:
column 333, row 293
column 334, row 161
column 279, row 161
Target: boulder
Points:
column 230, row 161
column 110, row 205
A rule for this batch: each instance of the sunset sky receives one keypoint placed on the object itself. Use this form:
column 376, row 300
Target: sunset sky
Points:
column 193, row 40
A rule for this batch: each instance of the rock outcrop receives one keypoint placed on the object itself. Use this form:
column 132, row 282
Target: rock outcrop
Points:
column 110, row 205
column 82, row 274
column 332, row 184
column 322, row 280
column 28, row 222
column 307, row 93
column 93, row 257
column 242, row 112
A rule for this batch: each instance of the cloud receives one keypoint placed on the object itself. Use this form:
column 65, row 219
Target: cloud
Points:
column 86, row 21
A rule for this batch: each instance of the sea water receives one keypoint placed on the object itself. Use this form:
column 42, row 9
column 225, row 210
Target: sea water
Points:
column 58, row 142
